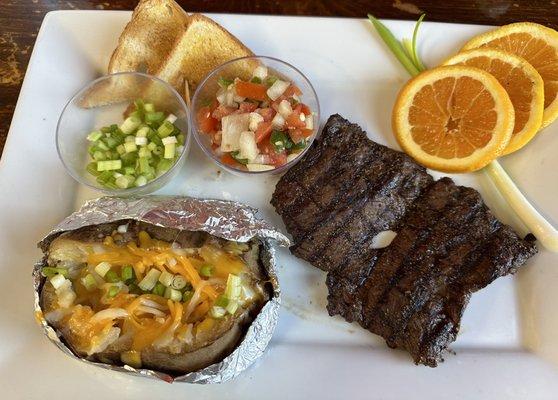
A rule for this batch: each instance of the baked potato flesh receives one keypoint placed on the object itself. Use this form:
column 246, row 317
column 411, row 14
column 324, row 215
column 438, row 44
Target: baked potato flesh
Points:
column 136, row 294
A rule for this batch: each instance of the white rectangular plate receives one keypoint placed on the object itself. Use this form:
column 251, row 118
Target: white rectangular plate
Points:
column 507, row 347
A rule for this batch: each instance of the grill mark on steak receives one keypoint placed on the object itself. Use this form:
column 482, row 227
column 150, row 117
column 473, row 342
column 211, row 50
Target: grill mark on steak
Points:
column 345, row 300
column 457, row 258
column 320, row 162
column 437, row 200
column 414, row 291
column 369, row 216
column 387, row 176
column 413, row 285
column 336, row 220
column 365, row 230
column 344, row 193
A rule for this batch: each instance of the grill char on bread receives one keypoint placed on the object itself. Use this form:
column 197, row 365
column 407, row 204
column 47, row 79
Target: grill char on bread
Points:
column 345, row 191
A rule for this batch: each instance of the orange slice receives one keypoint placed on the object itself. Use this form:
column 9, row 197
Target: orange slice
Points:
column 453, row 118
column 539, row 46
column 522, row 82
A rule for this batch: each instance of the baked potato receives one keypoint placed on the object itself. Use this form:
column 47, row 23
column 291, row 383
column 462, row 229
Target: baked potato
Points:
column 159, row 298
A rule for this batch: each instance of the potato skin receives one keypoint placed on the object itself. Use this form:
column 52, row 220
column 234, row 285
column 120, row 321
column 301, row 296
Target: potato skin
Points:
column 214, row 349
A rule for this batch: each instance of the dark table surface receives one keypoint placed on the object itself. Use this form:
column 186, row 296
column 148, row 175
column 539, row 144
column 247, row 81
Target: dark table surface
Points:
column 20, row 20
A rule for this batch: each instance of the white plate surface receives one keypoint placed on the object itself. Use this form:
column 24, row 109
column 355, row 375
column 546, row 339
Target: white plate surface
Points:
column 507, row 347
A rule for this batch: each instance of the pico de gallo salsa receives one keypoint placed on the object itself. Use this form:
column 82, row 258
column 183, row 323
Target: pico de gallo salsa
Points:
column 256, row 125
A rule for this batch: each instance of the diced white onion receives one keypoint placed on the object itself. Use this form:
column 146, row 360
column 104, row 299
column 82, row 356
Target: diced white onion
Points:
column 122, row 228
column 302, row 117
column 278, row 121
column 255, row 119
column 260, row 72
column 261, row 159
column 233, row 126
column 259, row 167
column 247, row 144
column 310, row 122
column 57, row 281
column 169, row 140
column 277, row 89
column 171, row 118
column 221, row 96
column 285, row 108
column 229, row 99
column 109, row 313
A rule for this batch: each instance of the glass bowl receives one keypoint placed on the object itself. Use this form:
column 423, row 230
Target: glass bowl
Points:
column 208, row 88
column 104, row 102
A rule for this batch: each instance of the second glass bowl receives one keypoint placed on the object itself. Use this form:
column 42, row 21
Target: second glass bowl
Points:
column 103, row 102
column 243, row 67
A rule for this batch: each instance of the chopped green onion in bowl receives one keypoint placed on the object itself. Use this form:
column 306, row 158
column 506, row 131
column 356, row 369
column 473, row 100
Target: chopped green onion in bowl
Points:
column 144, row 146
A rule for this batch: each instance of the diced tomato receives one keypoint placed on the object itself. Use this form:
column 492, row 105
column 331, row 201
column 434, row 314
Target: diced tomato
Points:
column 206, row 122
column 251, row 90
column 293, row 120
column 276, row 159
column 222, row 111
column 227, row 159
column 304, row 109
column 263, row 131
column 299, row 134
column 247, row 107
column 267, row 113
column 279, row 159
column 292, row 90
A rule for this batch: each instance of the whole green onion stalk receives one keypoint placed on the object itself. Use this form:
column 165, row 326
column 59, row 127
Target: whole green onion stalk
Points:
column 406, row 52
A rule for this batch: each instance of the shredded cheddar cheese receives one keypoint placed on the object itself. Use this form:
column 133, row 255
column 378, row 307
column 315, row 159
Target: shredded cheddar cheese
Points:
column 160, row 316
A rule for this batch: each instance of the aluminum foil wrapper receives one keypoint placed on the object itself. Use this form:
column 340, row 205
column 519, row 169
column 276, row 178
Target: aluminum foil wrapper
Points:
column 226, row 219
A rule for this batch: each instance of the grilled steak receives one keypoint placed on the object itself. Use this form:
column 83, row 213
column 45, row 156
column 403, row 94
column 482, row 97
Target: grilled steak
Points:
column 345, row 191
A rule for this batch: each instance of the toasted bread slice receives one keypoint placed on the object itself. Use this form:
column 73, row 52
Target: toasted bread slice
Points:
column 203, row 46
column 148, row 37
